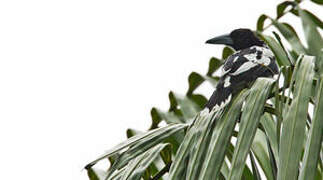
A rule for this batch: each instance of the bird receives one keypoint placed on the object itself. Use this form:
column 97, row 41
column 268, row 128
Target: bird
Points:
column 252, row 59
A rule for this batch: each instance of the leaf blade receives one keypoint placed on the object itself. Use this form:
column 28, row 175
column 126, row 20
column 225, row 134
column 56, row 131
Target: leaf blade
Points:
column 313, row 146
column 221, row 138
column 131, row 141
column 249, row 123
column 293, row 129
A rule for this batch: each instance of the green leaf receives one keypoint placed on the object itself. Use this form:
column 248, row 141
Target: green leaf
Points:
column 247, row 174
column 132, row 132
column 260, row 150
column 195, row 80
column 270, row 128
column 156, row 118
column 200, row 145
column 291, row 36
column 293, row 130
column 179, row 165
column 282, row 58
column 225, row 170
column 137, row 166
column 249, row 122
column 282, row 46
column 272, row 159
column 199, row 99
column 261, row 21
column 226, row 52
column 95, row 174
column 214, row 65
column 314, row 19
column 160, row 134
column 318, row 1
column 319, row 64
column 254, row 167
column 187, row 107
column 117, row 175
column 313, row 145
column 220, row 138
column 158, row 115
column 313, row 37
column 282, row 6
column 141, row 147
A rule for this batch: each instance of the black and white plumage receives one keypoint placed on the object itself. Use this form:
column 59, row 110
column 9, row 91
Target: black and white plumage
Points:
column 253, row 59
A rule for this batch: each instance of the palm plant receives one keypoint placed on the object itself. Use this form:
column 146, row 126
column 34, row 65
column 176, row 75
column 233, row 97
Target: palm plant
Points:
column 272, row 130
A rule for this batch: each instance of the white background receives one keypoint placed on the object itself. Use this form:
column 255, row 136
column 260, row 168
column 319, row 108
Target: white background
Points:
column 74, row 75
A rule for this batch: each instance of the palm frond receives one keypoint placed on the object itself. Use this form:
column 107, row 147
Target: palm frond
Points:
column 275, row 129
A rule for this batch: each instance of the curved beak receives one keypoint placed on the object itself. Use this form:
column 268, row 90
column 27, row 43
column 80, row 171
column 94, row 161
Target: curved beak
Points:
column 224, row 39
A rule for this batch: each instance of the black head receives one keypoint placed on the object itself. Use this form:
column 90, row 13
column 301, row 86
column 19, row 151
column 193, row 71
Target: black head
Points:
column 238, row 39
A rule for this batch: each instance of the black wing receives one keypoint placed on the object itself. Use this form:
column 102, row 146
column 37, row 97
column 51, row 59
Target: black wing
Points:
column 239, row 71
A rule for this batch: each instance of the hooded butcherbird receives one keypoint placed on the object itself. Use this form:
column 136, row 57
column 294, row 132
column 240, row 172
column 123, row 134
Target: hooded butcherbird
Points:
column 252, row 59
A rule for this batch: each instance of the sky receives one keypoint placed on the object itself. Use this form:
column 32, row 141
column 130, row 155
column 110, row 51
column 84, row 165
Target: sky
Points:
column 75, row 74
